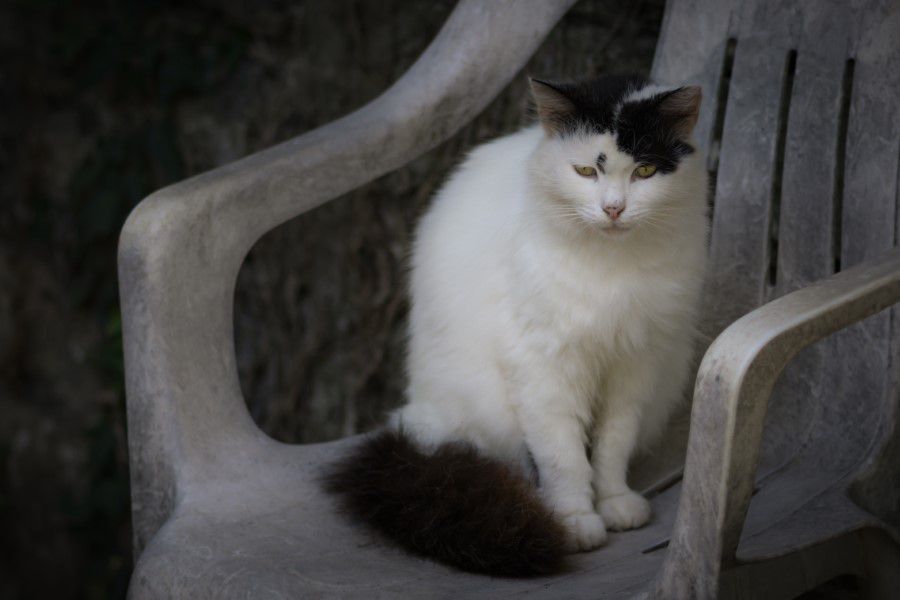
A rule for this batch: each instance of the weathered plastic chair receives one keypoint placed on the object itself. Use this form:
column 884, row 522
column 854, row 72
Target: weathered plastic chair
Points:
column 801, row 119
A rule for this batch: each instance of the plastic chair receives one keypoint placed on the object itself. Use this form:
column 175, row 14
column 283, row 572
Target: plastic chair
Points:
column 789, row 481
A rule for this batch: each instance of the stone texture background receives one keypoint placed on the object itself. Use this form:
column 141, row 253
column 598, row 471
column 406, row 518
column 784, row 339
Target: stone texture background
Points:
column 103, row 102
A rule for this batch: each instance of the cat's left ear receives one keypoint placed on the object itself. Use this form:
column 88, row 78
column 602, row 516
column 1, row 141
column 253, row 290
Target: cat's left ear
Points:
column 681, row 108
column 554, row 108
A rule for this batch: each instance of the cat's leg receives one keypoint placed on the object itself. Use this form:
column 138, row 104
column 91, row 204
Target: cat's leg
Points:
column 551, row 415
column 636, row 406
column 615, row 437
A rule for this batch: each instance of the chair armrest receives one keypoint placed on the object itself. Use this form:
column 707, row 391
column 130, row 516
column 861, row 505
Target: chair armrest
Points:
column 181, row 249
column 731, row 395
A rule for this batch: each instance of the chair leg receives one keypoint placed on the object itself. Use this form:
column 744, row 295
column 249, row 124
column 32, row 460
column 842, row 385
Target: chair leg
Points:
column 881, row 565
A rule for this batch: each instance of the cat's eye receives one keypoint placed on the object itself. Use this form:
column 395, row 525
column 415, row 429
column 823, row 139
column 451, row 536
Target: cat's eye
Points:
column 585, row 171
column 645, row 171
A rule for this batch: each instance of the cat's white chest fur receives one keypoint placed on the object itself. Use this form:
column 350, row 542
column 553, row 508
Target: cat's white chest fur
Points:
column 580, row 300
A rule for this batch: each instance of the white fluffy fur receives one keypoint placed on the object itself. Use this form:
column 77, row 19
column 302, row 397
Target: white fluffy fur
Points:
column 538, row 327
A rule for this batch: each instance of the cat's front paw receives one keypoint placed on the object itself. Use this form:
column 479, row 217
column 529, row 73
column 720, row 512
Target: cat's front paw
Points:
column 586, row 531
column 625, row 511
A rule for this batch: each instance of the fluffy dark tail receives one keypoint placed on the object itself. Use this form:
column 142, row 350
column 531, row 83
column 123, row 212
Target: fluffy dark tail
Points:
column 454, row 505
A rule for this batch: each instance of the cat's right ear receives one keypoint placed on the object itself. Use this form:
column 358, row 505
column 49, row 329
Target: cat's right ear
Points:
column 554, row 109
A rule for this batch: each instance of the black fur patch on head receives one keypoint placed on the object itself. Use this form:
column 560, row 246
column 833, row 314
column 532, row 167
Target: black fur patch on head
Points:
column 653, row 130
column 592, row 103
column 453, row 505
column 653, row 134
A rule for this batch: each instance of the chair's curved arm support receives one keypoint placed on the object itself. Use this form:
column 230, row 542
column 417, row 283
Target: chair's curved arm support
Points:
column 731, row 395
column 180, row 250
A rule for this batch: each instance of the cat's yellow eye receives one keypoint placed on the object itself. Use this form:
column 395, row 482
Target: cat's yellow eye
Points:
column 645, row 171
column 586, row 171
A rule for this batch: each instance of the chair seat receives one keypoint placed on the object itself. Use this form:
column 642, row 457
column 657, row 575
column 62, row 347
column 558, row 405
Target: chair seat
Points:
column 250, row 544
column 276, row 534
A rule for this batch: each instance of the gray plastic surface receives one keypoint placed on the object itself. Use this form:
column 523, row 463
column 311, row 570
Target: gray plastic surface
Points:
column 220, row 510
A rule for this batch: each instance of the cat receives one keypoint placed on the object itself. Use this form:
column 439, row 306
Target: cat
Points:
column 555, row 287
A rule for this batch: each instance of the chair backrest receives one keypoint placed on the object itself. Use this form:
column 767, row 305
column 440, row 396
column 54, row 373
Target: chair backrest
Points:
column 801, row 121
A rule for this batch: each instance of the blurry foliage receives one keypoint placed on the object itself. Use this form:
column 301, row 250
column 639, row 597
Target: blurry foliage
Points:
column 122, row 68
column 101, row 516
column 121, row 169
column 127, row 65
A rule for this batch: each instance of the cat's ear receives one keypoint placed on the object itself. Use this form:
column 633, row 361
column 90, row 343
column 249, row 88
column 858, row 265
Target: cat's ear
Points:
column 554, row 108
column 681, row 108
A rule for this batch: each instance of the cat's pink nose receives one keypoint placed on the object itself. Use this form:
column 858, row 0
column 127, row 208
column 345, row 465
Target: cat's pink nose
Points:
column 613, row 211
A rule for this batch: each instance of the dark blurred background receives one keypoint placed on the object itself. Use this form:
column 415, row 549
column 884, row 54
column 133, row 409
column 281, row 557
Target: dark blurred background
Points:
column 103, row 102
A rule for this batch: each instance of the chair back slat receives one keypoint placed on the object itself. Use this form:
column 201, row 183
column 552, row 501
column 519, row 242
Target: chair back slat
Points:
column 870, row 177
column 745, row 189
column 808, row 212
column 806, row 220
column 861, row 395
column 870, row 223
column 693, row 48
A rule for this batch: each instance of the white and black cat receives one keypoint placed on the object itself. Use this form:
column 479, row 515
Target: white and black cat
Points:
column 555, row 287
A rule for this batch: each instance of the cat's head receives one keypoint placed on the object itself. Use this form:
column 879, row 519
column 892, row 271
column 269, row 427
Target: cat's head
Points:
column 617, row 154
